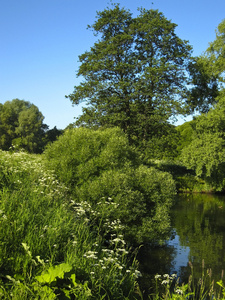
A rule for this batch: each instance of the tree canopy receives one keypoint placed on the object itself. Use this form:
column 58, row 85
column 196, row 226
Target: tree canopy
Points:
column 206, row 154
column 215, row 54
column 21, row 126
column 208, row 76
column 135, row 75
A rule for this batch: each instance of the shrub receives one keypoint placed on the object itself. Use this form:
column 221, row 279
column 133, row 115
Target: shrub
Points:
column 141, row 197
column 81, row 153
column 101, row 164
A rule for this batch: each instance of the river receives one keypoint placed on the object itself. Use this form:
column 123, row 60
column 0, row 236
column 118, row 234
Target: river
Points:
column 197, row 236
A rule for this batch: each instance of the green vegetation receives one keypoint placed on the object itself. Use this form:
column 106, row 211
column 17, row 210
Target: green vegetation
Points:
column 22, row 127
column 50, row 244
column 206, row 154
column 139, row 75
column 135, row 75
column 59, row 242
column 100, row 164
column 74, row 209
column 168, row 287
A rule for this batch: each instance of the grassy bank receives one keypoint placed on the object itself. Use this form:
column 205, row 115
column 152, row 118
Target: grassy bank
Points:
column 51, row 246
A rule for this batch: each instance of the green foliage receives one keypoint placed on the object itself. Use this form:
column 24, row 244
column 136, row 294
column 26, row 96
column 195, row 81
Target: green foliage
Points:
column 50, row 246
column 163, row 145
column 100, row 163
column 215, row 54
column 135, row 75
column 169, row 287
column 206, row 154
column 53, row 134
column 208, row 73
column 142, row 198
column 185, row 132
column 81, row 153
column 205, row 86
column 21, row 126
column 221, row 284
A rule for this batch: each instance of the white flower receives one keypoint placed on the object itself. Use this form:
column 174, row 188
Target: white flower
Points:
column 137, row 273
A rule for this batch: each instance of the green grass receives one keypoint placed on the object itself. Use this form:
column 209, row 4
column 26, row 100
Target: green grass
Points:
column 169, row 287
column 51, row 247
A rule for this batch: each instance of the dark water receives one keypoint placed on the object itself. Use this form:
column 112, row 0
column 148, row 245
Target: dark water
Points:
column 198, row 236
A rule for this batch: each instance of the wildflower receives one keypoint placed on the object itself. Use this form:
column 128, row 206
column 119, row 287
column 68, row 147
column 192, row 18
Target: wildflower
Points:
column 105, row 250
column 117, row 240
column 157, row 276
column 178, row 291
column 90, row 254
column 165, row 281
column 137, row 273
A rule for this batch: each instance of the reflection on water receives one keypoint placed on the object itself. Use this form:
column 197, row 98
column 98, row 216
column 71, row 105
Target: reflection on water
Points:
column 198, row 234
column 181, row 258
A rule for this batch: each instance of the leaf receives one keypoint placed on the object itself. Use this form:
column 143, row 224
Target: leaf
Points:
column 73, row 279
column 54, row 272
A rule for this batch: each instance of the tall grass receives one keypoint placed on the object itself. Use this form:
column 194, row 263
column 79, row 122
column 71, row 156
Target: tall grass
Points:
column 51, row 246
column 170, row 287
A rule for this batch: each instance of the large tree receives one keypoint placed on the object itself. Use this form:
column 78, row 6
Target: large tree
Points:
column 21, row 126
column 135, row 75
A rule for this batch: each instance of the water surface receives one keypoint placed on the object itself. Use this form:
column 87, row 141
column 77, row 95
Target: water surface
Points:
column 198, row 236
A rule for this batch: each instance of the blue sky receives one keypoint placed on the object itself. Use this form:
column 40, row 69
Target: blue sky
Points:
column 40, row 42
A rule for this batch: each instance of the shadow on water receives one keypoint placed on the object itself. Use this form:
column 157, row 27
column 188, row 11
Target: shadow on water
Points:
column 198, row 235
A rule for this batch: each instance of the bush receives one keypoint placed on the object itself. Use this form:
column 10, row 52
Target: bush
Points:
column 81, row 153
column 101, row 164
column 142, row 198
